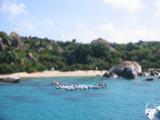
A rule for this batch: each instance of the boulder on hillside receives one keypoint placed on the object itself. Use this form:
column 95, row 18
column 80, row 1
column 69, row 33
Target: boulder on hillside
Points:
column 101, row 41
column 40, row 49
column 5, row 39
column 2, row 46
column 30, row 56
column 16, row 41
column 127, row 69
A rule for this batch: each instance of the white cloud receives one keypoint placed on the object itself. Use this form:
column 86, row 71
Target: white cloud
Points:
column 29, row 24
column 131, row 6
column 157, row 7
column 13, row 9
column 147, row 34
column 109, row 28
column 50, row 23
column 81, row 32
column 134, row 35
column 46, row 23
column 23, row 22
column 34, row 27
column 86, row 34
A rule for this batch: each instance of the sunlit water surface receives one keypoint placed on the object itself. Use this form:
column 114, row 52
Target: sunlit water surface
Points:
column 37, row 99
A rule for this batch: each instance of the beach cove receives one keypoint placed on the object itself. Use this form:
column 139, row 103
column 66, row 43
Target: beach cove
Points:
column 56, row 74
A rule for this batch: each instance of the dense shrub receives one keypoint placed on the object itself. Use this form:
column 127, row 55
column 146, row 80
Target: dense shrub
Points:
column 44, row 54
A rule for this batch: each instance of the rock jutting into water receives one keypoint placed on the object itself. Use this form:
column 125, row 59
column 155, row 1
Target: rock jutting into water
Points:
column 109, row 74
column 10, row 79
column 127, row 70
column 152, row 72
column 59, row 85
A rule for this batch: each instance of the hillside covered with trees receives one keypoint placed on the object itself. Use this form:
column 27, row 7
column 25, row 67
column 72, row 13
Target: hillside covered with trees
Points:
column 30, row 54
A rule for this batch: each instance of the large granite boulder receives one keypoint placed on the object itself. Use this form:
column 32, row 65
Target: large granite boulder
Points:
column 2, row 46
column 10, row 79
column 109, row 74
column 154, row 72
column 127, row 70
column 31, row 57
column 16, row 41
column 101, row 41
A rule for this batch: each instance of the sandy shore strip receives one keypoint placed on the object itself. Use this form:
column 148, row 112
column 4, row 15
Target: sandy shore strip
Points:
column 57, row 74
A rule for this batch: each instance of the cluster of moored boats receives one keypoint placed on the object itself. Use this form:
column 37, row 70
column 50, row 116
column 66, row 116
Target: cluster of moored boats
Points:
column 59, row 85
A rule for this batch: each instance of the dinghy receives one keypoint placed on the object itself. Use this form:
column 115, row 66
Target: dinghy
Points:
column 152, row 112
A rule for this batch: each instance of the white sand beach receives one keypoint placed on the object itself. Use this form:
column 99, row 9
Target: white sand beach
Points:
column 56, row 74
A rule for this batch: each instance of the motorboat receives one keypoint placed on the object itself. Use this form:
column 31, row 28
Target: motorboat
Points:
column 152, row 112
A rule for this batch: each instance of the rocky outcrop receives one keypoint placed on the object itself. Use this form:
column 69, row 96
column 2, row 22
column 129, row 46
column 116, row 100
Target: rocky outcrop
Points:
column 40, row 49
column 152, row 72
column 101, row 41
column 31, row 57
column 127, row 69
column 2, row 46
column 10, row 79
column 109, row 74
column 16, row 41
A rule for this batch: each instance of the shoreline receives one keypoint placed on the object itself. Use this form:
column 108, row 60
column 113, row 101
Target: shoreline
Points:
column 79, row 73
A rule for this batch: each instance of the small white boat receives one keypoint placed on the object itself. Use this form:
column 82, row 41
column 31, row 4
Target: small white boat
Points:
column 152, row 112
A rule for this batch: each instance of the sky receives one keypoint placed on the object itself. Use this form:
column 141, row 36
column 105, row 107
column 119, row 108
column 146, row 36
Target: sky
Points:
column 119, row 21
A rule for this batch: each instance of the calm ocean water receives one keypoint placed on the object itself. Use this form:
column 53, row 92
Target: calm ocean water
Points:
column 37, row 99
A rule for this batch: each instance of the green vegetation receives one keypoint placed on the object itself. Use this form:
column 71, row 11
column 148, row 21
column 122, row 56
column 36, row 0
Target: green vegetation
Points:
column 30, row 54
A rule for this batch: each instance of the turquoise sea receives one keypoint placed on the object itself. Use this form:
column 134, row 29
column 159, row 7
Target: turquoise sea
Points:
column 37, row 99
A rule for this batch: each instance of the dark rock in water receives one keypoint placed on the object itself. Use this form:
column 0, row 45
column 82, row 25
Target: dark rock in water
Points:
column 149, row 79
column 145, row 74
column 106, row 74
column 152, row 72
column 129, row 74
column 56, row 83
column 127, row 70
column 109, row 74
column 10, row 80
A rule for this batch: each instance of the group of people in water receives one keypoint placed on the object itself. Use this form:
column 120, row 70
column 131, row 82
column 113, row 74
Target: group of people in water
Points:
column 59, row 85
